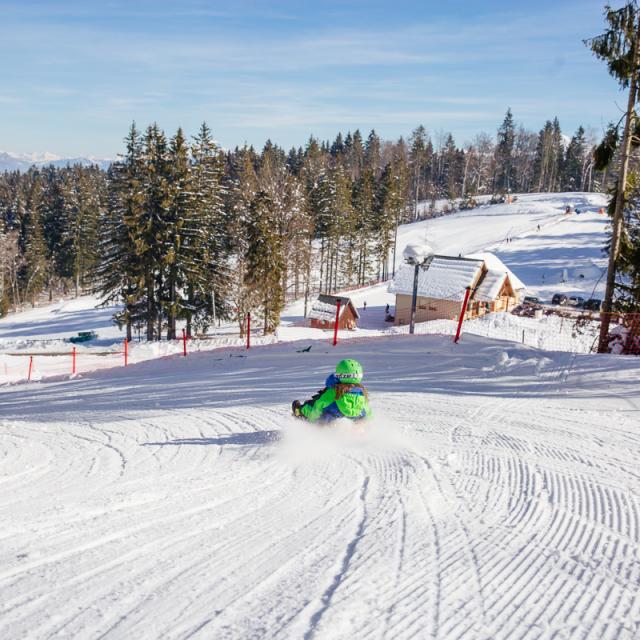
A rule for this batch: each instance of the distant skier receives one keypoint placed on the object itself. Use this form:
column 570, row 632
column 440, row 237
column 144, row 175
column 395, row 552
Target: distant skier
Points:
column 342, row 397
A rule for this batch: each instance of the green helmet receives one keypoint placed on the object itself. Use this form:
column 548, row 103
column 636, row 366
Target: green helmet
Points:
column 349, row 371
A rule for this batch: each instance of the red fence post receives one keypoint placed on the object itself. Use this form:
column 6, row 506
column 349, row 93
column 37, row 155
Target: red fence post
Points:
column 337, row 322
column 30, row 368
column 184, row 343
column 249, row 330
column 462, row 312
column 73, row 361
column 126, row 352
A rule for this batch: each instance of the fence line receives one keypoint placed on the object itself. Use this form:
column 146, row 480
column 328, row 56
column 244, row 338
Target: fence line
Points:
column 550, row 333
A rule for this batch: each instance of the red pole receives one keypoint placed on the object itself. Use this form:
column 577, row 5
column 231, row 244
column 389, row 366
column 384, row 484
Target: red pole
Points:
column 126, row 352
column 30, row 368
column 249, row 330
column 462, row 312
column 184, row 343
column 337, row 322
column 73, row 361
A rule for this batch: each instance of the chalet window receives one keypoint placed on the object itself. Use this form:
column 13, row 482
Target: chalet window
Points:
column 432, row 308
column 422, row 306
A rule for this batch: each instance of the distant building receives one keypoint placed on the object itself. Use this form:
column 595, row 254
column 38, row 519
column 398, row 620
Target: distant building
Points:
column 441, row 288
column 323, row 313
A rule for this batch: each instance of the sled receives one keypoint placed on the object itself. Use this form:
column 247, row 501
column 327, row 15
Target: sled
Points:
column 357, row 426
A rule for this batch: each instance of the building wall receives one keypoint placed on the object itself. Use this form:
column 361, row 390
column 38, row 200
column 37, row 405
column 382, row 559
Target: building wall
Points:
column 434, row 309
column 426, row 309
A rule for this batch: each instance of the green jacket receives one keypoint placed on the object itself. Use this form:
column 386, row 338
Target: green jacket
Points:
column 351, row 404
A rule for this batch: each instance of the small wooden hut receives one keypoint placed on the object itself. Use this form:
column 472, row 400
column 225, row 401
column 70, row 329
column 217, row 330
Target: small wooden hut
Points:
column 323, row 313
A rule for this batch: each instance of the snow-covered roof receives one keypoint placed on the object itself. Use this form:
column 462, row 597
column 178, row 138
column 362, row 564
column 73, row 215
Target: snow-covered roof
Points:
column 446, row 278
column 490, row 286
column 324, row 308
column 493, row 263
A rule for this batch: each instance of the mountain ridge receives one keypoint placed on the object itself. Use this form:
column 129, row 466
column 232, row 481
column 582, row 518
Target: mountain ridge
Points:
column 11, row 161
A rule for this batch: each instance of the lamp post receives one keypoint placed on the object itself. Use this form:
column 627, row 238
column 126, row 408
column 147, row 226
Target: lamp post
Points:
column 418, row 256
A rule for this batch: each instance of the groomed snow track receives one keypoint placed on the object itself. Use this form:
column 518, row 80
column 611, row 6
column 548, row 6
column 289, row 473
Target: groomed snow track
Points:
column 496, row 495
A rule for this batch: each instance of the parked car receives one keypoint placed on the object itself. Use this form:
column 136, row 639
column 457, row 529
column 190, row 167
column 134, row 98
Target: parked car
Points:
column 529, row 301
column 593, row 304
column 575, row 301
column 83, row 336
column 559, row 298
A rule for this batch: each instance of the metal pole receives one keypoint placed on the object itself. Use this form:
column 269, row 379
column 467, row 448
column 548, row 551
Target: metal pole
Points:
column 414, row 299
column 213, row 306
column 249, row 330
column 462, row 312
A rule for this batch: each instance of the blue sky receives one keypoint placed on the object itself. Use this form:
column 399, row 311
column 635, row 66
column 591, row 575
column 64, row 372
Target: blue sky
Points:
column 74, row 74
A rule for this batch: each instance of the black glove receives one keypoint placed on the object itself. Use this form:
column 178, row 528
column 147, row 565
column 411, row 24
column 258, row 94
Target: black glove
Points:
column 296, row 405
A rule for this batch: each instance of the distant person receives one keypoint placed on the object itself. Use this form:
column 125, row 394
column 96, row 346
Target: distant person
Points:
column 386, row 309
column 364, row 305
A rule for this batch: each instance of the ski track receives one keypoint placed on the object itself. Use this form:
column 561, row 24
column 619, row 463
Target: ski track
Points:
column 192, row 523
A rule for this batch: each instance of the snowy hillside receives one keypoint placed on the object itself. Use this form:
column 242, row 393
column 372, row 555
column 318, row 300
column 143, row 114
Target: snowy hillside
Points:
column 495, row 495
column 532, row 236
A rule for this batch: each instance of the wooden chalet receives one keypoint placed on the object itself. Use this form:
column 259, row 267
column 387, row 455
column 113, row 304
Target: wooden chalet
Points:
column 442, row 287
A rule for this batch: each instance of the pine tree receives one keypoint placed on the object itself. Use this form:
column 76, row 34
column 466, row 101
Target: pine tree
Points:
column 364, row 193
column 572, row 170
column 372, row 154
column 10, row 262
column 177, row 261
column 619, row 47
column 36, row 263
column 504, row 181
column 207, row 243
column 628, row 281
column 80, row 212
column 120, row 273
column 152, row 231
column 549, row 157
column 337, row 148
column 240, row 196
column 354, row 154
column 390, row 206
column 265, row 260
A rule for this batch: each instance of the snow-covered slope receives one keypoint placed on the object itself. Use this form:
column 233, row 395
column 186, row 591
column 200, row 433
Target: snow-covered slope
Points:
column 532, row 236
column 495, row 495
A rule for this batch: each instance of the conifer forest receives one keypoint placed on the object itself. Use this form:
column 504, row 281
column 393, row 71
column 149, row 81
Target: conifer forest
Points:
column 179, row 229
